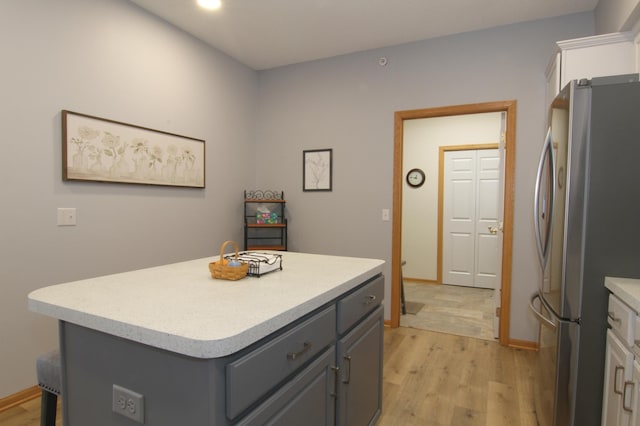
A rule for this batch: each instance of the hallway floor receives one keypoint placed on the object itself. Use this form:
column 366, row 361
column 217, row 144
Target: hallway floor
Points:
column 463, row 311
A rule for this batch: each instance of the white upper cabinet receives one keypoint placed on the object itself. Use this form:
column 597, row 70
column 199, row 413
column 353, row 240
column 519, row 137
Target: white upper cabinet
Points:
column 587, row 57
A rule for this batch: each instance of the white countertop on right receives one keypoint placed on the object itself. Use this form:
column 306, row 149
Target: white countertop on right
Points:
column 627, row 289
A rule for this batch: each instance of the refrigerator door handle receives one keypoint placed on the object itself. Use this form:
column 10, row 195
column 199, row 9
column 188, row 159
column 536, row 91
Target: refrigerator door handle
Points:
column 538, row 313
column 543, row 244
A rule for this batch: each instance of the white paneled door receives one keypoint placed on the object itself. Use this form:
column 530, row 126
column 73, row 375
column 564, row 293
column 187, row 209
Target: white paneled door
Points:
column 471, row 187
column 458, row 217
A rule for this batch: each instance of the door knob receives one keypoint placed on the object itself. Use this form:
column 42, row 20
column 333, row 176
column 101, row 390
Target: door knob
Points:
column 493, row 230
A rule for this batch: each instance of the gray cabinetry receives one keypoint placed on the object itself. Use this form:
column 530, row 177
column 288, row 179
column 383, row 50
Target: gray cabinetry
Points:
column 308, row 399
column 342, row 387
column 353, row 307
column 360, row 366
column 249, row 378
column 322, row 369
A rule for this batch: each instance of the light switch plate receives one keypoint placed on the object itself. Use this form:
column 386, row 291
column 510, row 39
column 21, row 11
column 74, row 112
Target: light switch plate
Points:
column 66, row 216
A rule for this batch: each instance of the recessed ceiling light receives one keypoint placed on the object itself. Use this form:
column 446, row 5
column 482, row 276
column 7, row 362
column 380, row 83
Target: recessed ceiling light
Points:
column 209, row 4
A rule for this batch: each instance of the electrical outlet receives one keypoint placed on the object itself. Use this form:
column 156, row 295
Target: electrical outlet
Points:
column 385, row 214
column 128, row 403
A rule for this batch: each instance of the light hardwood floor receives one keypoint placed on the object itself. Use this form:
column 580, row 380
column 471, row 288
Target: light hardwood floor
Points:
column 437, row 379
column 26, row 414
column 430, row 379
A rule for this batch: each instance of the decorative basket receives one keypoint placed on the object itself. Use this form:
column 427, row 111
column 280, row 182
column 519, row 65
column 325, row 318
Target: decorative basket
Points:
column 221, row 269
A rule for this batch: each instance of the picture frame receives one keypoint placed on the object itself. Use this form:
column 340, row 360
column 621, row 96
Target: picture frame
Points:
column 102, row 150
column 317, row 170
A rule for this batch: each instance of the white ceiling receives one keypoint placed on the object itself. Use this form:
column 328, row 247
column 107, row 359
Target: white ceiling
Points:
column 265, row 34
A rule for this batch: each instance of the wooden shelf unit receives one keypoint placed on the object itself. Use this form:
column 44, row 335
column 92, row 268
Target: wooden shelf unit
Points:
column 265, row 223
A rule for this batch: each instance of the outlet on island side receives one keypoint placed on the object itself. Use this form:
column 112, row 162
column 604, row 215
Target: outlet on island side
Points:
column 128, row 403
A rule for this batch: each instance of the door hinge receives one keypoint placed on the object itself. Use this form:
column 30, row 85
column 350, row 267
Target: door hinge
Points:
column 498, row 311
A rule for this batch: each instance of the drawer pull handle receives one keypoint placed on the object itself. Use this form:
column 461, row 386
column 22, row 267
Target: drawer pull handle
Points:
column 615, row 379
column 336, row 372
column 628, row 407
column 293, row 355
column 612, row 317
column 347, row 359
column 370, row 299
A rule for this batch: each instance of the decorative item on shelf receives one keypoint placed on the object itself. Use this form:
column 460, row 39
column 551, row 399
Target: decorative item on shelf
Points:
column 260, row 263
column 266, row 217
column 229, row 267
column 259, row 194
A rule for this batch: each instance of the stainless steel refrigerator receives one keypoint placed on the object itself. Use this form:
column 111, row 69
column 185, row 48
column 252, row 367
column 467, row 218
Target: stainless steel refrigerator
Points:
column 587, row 225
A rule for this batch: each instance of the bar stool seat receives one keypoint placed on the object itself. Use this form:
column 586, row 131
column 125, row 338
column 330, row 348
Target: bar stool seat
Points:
column 48, row 372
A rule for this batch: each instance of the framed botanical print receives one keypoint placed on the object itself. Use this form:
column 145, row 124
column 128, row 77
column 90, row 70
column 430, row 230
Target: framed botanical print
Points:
column 102, row 150
column 317, row 170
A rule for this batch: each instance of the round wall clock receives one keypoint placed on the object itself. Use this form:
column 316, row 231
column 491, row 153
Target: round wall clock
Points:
column 415, row 178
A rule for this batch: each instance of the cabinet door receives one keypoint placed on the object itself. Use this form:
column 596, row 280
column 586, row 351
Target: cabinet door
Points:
column 307, row 399
column 553, row 81
column 583, row 58
column 255, row 375
column 635, row 398
column 617, row 376
column 360, row 366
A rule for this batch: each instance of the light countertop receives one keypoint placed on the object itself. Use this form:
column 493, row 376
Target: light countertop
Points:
column 627, row 289
column 180, row 308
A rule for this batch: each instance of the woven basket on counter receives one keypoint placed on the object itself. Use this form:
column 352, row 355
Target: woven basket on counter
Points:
column 221, row 269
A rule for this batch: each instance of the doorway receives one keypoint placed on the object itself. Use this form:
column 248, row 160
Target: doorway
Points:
column 508, row 141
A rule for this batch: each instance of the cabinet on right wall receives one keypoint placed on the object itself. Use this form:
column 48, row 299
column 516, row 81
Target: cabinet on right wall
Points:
column 617, row 401
column 587, row 57
column 621, row 399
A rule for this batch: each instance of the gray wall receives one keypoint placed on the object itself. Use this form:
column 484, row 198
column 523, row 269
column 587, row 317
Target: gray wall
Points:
column 109, row 59
column 347, row 103
column 616, row 15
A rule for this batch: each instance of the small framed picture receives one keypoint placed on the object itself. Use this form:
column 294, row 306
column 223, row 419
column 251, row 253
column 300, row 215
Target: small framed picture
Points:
column 317, row 170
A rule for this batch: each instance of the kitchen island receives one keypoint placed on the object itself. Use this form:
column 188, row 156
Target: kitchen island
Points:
column 301, row 344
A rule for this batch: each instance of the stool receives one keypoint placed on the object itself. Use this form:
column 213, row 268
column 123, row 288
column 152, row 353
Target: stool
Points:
column 49, row 375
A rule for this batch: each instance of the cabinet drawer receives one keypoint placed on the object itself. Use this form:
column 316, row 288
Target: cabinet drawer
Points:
column 359, row 303
column 622, row 320
column 305, row 400
column 253, row 375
